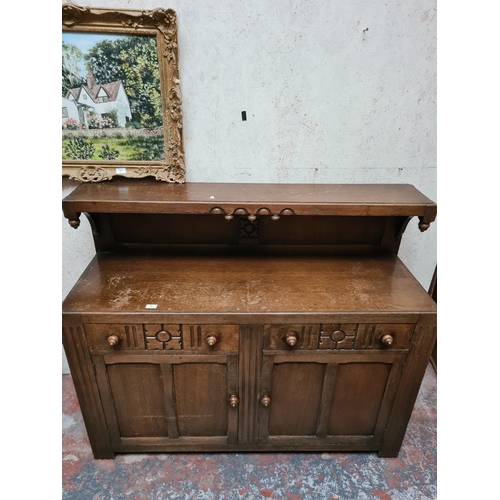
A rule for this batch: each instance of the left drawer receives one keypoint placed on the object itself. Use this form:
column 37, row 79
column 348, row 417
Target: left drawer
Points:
column 113, row 337
column 122, row 337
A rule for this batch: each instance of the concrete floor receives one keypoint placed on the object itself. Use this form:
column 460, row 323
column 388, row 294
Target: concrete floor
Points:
column 341, row 476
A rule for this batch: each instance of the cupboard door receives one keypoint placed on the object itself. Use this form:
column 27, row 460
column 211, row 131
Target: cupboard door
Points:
column 295, row 387
column 165, row 401
column 327, row 398
column 201, row 399
column 358, row 394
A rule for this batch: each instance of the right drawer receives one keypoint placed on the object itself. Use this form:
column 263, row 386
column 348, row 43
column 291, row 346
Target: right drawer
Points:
column 366, row 336
column 338, row 336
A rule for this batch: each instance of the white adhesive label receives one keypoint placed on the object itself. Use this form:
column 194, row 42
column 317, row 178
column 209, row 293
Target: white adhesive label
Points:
column 151, row 306
column 121, row 170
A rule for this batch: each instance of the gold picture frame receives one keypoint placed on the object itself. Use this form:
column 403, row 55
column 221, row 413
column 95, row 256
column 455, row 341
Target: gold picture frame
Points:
column 124, row 117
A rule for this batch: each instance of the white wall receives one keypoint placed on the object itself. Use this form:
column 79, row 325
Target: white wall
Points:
column 335, row 92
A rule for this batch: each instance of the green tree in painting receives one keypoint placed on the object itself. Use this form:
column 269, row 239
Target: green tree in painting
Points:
column 79, row 148
column 71, row 75
column 108, row 153
column 134, row 61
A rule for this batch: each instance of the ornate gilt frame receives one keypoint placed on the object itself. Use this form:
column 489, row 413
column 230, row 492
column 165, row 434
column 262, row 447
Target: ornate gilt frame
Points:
column 162, row 24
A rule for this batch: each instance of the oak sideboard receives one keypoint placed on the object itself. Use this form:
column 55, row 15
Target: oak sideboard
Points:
column 247, row 317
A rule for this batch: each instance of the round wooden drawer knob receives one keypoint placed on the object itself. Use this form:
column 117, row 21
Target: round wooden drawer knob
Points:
column 265, row 401
column 387, row 340
column 113, row 340
column 233, row 401
column 228, row 217
column 275, row 217
column 211, row 340
column 291, row 340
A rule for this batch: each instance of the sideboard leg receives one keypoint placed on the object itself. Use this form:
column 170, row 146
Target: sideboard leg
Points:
column 82, row 373
column 411, row 378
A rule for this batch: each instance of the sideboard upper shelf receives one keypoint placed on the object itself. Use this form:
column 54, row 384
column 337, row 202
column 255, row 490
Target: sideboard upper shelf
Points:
column 145, row 196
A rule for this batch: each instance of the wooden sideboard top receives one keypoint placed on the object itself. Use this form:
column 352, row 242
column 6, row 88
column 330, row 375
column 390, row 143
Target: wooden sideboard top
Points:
column 261, row 288
column 146, row 196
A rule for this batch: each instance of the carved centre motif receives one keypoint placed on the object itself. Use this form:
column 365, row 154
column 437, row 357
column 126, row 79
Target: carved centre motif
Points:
column 249, row 229
column 166, row 338
column 163, row 336
column 336, row 337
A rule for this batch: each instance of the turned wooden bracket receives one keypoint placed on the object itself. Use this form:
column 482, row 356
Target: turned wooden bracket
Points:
column 251, row 217
column 74, row 220
column 423, row 225
column 428, row 217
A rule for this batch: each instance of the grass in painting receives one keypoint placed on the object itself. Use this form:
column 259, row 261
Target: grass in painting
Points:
column 110, row 148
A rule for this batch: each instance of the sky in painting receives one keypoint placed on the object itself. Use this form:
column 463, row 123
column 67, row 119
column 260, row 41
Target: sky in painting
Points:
column 85, row 41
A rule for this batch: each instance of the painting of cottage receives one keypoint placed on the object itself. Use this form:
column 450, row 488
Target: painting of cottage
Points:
column 101, row 100
column 111, row 99
column 70, row 111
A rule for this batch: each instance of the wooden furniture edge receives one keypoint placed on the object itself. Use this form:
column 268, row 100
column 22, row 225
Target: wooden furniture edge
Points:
column 84, row 379
column 280, row 203
column 409, row 386
column 250, row 318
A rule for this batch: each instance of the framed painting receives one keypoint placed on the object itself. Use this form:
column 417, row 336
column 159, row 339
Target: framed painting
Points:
column 121, row 99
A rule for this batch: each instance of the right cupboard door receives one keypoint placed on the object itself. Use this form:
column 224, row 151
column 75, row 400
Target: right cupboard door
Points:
column 331, row 399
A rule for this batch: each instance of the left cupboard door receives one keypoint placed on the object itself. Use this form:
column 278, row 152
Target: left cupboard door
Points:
column 168, row 402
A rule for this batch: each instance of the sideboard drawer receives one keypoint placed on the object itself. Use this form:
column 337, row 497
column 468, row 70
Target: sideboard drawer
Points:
column 366, row 336
column 211, row 338
column 295, row 337
column 162, row 337
column 121, row 337
column 338, row 336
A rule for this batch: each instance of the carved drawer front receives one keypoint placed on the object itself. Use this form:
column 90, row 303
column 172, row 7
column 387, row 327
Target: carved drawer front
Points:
column 293, row 337
column 119, row 337
column 211, row 338
column 162, row 337
column 114, row 337
column 365, row 336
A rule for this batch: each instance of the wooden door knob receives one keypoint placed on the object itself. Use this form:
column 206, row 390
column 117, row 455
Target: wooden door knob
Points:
column 265, row 401
column 291, row 340
column 233, row 401
column 387, row 340
column 113, row 340
column 211, row 340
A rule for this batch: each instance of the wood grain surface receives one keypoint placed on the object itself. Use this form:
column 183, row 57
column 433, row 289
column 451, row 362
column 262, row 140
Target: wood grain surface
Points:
column 139, row 196
column 117, row 283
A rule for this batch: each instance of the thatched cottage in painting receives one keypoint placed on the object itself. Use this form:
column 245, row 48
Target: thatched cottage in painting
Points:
column 100, row 99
